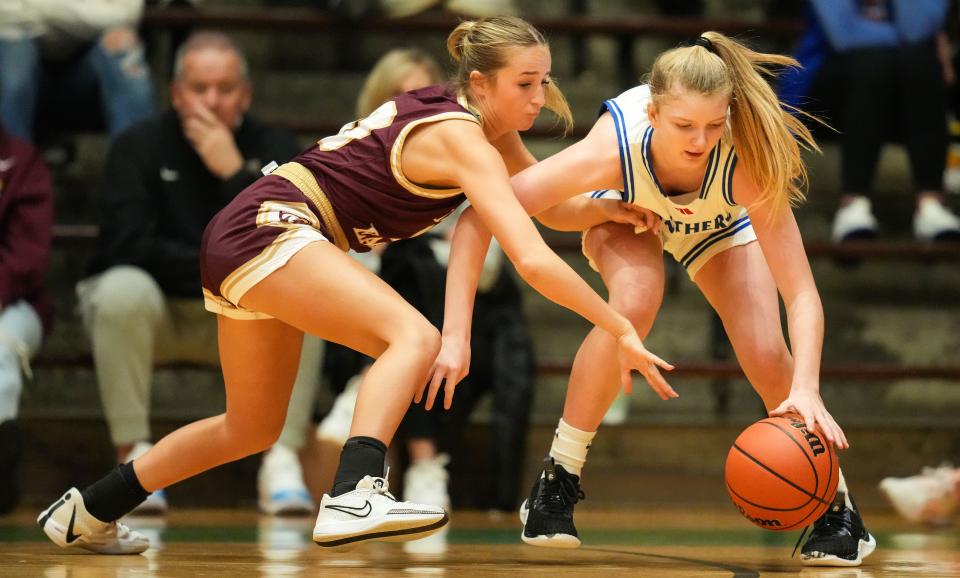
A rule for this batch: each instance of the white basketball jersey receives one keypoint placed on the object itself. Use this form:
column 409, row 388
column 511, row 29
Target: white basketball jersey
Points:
column 695, row 225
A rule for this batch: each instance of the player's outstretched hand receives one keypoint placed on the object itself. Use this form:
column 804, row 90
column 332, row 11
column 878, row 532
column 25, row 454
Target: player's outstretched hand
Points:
column 809, row 406
column 633, row 355
column 451, row 366
column 620, row 212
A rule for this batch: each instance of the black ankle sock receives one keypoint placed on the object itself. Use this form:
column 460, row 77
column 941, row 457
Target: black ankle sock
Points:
column 115, row 494
column 361, row 456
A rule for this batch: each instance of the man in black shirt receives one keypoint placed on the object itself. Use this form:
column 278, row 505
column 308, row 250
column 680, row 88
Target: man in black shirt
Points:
column 165, row 178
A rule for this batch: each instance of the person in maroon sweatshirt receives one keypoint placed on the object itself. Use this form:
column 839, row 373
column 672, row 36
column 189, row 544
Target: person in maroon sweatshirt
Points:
column 26, row 221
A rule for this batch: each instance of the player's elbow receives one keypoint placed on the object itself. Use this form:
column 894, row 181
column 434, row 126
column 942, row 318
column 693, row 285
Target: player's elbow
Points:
column 532, row 266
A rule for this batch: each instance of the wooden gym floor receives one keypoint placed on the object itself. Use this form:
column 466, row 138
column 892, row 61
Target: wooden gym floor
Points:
column 654, row 542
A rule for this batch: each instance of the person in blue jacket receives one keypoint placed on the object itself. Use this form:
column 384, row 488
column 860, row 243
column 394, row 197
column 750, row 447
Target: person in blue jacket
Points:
column 872, row 70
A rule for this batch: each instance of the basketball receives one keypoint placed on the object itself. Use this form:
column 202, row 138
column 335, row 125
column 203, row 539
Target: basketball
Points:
column 781, row 476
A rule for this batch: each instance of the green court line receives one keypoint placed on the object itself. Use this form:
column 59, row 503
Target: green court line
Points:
column 595, row 537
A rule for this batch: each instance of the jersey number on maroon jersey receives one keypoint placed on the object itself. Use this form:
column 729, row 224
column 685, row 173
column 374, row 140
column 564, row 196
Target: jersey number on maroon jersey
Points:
column 382, row 117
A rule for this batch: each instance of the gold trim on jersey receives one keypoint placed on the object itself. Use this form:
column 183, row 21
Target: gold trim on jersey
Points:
column 220, row 306
column 465, row 103
column 398, row 147
column 301, row 177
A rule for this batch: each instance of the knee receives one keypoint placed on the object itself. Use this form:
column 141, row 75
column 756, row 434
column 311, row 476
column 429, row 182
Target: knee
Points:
column 120, row 294
column 767, row 363
column 421, row 338
column 638, row 302
column 257, row 435
column 122, row 46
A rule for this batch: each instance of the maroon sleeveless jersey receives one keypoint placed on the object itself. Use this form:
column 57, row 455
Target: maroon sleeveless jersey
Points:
column 358, row 171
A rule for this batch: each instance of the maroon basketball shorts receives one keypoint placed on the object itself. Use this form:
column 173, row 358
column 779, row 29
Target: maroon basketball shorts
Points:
column 253, row 236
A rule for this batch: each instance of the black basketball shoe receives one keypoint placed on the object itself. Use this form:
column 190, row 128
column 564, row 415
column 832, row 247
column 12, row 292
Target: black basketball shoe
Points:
column 838, row 537
column 547, row 515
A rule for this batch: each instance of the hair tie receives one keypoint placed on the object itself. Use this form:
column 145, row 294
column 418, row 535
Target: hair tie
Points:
column 701, row 41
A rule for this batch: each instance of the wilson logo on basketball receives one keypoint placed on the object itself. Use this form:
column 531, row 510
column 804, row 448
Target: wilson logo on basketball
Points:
column 816, row 446
column 762, row 522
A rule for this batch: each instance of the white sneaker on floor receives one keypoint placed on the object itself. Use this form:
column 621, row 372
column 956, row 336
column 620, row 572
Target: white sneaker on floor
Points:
column 156, row 503
column 280, row 485
column 335, row 427
column 929, row 497
column 370, row 512
column 425, row 482
column 854, row 221
column 68, row 524
column 935, row 222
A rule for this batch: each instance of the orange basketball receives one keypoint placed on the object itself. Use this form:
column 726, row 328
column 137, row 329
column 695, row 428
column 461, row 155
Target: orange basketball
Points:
column 781, row 476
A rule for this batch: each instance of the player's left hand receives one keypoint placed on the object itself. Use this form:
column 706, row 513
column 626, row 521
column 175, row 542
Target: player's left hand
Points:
column 619, row 212
column 809, row 406
column 451, row 366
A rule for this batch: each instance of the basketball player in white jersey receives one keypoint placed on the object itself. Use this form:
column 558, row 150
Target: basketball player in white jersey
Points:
column 707, row 146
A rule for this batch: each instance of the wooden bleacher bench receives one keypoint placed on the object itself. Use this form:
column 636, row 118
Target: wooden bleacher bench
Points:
column 624, row 29
column 841, row 371
column 65, row 234
column 308, row 20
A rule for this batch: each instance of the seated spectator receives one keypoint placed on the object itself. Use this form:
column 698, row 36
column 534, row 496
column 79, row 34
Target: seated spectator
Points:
column 26, row 218
column 871, row 65
column 67, row 58
column 166, row 177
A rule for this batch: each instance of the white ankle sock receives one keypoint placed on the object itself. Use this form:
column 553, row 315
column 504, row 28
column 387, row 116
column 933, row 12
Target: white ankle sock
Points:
column 570, row 446
column 842, row 487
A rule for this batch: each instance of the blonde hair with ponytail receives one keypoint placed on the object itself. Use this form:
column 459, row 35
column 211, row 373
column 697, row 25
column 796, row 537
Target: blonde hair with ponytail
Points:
column 483, row 45
column 767, row 137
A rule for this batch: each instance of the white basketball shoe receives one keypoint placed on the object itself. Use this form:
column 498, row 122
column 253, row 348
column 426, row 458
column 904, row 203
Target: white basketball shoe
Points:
column 370, row 512
column 280, row 485
column 68, row 524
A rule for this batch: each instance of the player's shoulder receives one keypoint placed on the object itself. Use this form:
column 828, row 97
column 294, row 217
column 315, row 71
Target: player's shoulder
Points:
column 436, row 99
column 633, row 97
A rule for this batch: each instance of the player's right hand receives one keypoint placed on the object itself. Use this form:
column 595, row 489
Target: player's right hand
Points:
column 451, row 366
column 633, row 355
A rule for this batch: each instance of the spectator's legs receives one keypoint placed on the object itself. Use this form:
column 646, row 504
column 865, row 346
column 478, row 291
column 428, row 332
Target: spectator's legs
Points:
column 869, row 97
column 923, row 118
column 20, row 75
column 512, row 374
column 922, row 109
column 867, row 119
column 123, row 310
column 20, row 336
column 123, row 77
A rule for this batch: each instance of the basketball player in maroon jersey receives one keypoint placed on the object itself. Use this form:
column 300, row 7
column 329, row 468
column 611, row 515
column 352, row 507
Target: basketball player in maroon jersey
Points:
column 274, row 267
